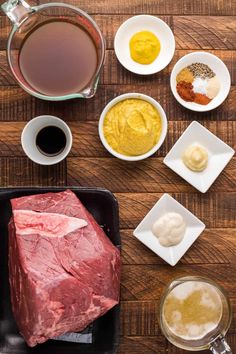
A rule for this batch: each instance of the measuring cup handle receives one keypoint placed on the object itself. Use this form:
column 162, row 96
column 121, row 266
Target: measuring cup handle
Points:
column 17, row 10
column 220, row 346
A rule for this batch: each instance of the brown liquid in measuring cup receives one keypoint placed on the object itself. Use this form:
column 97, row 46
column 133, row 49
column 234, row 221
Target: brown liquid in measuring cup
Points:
column 58, row 58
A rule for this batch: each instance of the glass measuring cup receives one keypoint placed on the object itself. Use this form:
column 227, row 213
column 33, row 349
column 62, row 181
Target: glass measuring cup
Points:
column 25, row 18
column 215, row 338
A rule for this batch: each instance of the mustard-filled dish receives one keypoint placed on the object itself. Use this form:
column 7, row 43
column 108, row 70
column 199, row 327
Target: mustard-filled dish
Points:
column 132, row 127
column 144, row 44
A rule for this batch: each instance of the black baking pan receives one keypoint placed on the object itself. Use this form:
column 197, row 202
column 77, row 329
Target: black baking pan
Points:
column 104, row 331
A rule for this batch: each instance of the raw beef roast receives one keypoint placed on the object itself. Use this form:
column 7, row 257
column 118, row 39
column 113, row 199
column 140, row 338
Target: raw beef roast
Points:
column 64, row 271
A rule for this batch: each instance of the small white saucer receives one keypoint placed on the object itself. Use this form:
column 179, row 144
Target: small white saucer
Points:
column 194, row 228
column 215, row 64
column 141, row 23
column 219, row 154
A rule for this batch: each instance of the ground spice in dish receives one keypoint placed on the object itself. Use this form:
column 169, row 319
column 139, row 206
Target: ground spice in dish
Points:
column 185, row 90
column 201, row 70
column 201, row 99
column 197, row 83
column 185, row 75
column 213, row 87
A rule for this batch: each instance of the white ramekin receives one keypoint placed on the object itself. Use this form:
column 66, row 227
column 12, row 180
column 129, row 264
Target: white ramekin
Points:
column 124, row 97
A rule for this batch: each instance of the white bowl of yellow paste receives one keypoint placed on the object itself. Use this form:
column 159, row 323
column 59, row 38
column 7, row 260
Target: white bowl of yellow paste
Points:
column 153, row 25
column 132, row 126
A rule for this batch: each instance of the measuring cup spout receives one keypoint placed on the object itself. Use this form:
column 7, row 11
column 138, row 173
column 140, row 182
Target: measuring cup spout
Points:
column 17, row 10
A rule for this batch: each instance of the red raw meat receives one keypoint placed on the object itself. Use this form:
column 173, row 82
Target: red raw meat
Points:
column 59, row 283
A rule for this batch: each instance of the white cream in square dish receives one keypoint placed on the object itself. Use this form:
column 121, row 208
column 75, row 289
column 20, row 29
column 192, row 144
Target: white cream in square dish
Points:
column 166, row 204
column 219, row 154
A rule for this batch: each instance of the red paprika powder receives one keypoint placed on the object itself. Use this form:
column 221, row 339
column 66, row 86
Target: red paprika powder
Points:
column 201, row 99
column 185, row 90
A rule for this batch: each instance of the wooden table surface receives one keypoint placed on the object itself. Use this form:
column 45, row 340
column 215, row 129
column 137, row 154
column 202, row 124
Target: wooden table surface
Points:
column 197, row 25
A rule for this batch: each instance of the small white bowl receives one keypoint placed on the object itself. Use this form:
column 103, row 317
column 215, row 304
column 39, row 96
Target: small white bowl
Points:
column 216, row 65
column 30, row 132
column 141, row 23
column 219, row 154
column 122, row 98
column 194, row 228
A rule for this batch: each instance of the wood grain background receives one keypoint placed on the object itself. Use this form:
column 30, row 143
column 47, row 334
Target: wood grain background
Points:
column 197, row 25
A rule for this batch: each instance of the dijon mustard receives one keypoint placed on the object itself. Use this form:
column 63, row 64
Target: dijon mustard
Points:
column 132, row 127
column 144, row 47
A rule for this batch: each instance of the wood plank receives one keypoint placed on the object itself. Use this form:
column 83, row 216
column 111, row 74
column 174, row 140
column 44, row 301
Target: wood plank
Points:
column 191, row 32
column 17, row 105
column 5, row 29
column 141, row 345
column 150, row 175
column 194, row 32
column 87, row 142
column 216, row 210
column 108, row 25
column 157, row 345
column 201, row 252
column 17, row 171
column 147, row 282
column 6, row 77
column 183, row 7
column 115, row 74
column 140, row 318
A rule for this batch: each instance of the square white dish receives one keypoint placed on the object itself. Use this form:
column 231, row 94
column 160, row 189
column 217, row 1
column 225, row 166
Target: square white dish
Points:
column 166, row 204
column 219, row 154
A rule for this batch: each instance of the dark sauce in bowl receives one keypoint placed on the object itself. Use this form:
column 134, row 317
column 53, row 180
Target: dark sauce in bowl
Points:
column 51, row 141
